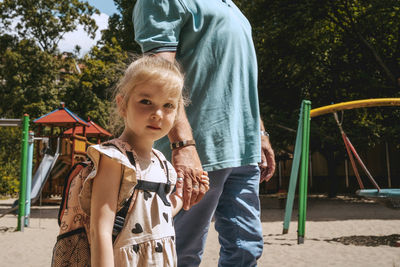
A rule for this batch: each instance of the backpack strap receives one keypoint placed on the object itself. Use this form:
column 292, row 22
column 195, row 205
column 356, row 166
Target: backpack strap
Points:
column 164, row 166
column 120, row 216
column 120, row 219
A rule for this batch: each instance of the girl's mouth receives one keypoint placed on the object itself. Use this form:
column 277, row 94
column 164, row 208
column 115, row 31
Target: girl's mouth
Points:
column 153, row 127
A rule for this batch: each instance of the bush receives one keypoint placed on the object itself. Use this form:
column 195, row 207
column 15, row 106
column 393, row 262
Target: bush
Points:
column 10, row 149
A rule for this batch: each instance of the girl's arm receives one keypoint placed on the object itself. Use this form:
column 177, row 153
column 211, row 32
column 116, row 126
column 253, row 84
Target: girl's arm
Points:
column 103, row 208
column 176, row 198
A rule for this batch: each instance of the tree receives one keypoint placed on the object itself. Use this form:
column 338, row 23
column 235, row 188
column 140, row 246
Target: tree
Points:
column 46, row 21
column 29, row 78
column 326, row 51
column 120, row 26
column 90, row 92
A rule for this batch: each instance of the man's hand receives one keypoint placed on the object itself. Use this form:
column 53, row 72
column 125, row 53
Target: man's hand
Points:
column 267, row 165
column 187, row 165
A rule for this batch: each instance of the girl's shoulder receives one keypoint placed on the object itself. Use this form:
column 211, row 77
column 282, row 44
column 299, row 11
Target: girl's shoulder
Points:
column 115, row 149
column 119, row 152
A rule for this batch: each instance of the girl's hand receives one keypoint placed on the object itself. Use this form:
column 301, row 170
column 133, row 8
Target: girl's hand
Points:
column 179, row 187
column 177, row 197
column 205, row 180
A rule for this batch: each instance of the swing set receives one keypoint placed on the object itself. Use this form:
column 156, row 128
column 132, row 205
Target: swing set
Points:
column 301, row 157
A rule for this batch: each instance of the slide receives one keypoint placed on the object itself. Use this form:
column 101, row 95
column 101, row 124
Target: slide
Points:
column 42, row 174
column 39, row 179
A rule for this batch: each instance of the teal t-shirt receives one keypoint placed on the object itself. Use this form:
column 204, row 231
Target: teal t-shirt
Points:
column 214, row 46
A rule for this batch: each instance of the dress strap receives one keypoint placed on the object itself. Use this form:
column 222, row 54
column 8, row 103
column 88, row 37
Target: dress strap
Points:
column 164, row 166
column 161, row 189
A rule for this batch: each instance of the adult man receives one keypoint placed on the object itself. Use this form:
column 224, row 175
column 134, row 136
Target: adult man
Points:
column 212, row 42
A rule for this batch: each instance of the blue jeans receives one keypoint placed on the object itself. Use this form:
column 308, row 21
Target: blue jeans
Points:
column 234, row 202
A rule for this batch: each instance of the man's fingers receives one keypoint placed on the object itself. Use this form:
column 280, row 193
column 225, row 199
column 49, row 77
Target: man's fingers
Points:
column 263, row 166
column 263, row 163
column 263, row 174
column 202, row 191
column 195, row 185
column 187, row 192
column 195, row 192
column 271, row 166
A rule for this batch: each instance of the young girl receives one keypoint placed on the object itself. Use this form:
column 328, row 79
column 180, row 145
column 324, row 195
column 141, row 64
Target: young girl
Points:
column 147, row 99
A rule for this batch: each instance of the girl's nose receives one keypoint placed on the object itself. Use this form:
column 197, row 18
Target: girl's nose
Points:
column 156, row 114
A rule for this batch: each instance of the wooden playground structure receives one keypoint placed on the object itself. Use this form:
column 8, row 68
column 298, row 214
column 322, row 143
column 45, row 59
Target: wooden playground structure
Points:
column 68, row 137
column 60, row 140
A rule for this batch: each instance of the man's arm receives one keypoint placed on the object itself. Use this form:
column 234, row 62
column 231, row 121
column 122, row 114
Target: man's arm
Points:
column 185, row 159
column 267, row 165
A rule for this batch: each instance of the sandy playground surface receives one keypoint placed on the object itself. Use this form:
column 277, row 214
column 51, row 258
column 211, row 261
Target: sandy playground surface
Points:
column 339, row 232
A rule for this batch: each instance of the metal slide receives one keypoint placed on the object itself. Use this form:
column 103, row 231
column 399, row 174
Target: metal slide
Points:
column 40, row 177
column 42, row 174
column 39, row 180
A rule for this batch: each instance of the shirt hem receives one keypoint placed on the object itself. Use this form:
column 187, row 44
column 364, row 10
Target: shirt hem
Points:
column 232, row 163
column 156, row 48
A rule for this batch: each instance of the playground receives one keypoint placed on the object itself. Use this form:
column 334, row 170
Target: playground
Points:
column 59, row 141
column 340, row 232
column 360, row 229
column 328, row 86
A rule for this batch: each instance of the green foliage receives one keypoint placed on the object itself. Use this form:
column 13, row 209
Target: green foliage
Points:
column 46, row 21
column 120, row 26
column 327, row 51
column 10, row 149
column 89, row 93
column 30, row 76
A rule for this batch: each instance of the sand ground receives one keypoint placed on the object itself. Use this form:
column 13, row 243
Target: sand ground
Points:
column 339, row 232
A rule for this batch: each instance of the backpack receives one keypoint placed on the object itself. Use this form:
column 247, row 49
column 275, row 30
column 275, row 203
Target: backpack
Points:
column 72, row 247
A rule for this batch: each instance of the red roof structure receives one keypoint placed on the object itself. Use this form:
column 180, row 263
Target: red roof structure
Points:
column 61, row 117
column 91, row 131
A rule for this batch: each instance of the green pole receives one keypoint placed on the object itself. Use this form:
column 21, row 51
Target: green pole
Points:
column 29, row 178
column 294, row 174
column 304, row 173
column 22, row 185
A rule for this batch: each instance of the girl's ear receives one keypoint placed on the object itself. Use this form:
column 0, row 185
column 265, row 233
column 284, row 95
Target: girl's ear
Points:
column 121, row 109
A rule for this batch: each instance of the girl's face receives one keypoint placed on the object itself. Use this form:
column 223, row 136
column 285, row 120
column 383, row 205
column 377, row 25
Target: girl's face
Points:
column 151, row 111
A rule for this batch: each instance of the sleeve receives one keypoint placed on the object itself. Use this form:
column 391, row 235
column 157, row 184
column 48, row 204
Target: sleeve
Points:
column 128, row 181
column 157, row 24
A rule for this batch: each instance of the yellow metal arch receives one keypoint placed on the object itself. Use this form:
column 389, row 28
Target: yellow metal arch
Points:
column 375, row 102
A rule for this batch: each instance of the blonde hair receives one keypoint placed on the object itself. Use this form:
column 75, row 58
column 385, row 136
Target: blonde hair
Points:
column 145, row 69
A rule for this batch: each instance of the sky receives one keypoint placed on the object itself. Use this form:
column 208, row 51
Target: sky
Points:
column 105, row 6
column 80, row 37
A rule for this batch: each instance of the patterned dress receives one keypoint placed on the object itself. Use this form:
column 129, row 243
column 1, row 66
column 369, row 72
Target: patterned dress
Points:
column 147, row 238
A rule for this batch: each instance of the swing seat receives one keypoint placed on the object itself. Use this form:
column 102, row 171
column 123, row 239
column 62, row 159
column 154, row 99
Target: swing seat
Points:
column 390, row 197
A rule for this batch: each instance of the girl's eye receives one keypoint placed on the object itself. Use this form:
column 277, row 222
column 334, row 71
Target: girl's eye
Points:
column 169, row 105
column 145, row 102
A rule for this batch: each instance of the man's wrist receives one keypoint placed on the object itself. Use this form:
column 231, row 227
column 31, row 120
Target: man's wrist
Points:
column 264, row 133
column 180, row 144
